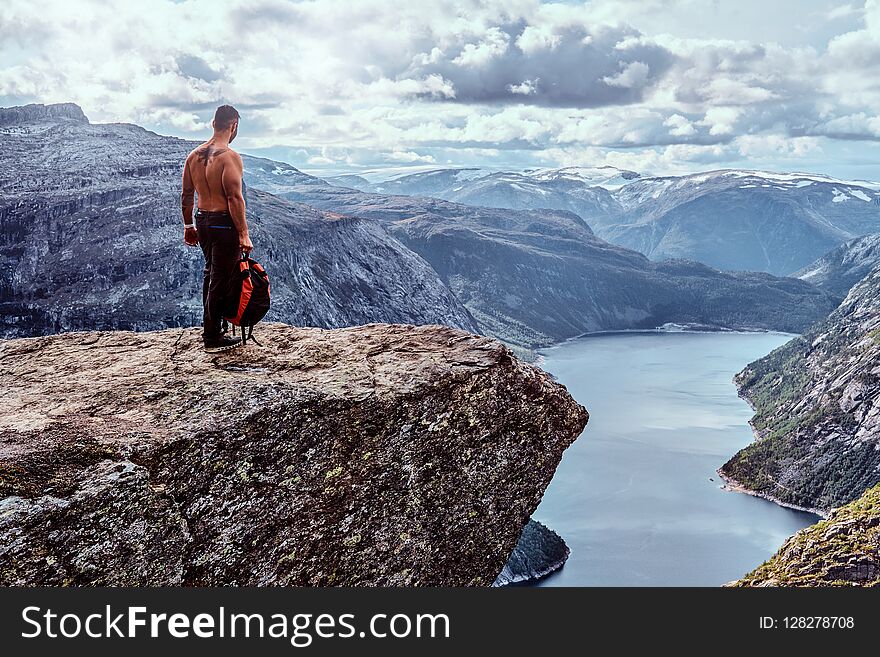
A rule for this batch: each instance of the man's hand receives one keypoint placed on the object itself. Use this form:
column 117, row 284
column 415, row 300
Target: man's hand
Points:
column 245, row 244
column 190, row 237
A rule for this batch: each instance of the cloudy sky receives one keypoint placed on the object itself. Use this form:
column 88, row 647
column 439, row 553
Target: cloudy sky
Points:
column 658, row 86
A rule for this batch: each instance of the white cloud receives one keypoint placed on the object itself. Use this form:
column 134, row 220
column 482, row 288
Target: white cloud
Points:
column 842, row 11
column 632, row 75
column 186, row 121
column 762, row 146
column 410, row 157
column 721, row 120
column 525, row 88
column 727, row 91
column 850, row 126
column 537, row 37
column 676, row 82
column 680, row 126
column 477, row 55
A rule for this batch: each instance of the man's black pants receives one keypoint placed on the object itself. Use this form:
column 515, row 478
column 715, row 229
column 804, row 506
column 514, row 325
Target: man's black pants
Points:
column 218, row 238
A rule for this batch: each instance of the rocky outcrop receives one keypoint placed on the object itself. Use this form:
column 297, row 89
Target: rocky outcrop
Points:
column 38, row 112
column 93, row 239
column 843, row 550
column 840, row 269
column 376, row 455
column 817, row 410
column 539, row 552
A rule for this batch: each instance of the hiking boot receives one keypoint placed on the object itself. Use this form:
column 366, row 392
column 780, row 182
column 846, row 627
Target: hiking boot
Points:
column 222, row 343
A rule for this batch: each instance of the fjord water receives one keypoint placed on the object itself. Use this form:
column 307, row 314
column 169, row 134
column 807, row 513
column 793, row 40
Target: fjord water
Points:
column 636, row 497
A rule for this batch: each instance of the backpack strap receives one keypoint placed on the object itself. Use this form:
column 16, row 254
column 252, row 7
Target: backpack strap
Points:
column 250, row 335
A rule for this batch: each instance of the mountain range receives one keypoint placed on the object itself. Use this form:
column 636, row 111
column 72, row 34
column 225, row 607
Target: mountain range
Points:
column 91, row 239
column 728, row 219
column 534, row 277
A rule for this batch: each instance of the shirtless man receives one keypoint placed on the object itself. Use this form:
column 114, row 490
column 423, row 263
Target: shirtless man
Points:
column 213, row 171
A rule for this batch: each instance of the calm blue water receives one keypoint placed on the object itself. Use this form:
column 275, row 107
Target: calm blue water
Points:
column 633, row 497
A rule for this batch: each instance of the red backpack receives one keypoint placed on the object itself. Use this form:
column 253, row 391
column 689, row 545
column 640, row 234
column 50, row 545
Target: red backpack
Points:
column 249, row 300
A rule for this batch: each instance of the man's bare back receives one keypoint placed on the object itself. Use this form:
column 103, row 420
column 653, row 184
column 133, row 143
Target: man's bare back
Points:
column 214, row 172
column 207, row 165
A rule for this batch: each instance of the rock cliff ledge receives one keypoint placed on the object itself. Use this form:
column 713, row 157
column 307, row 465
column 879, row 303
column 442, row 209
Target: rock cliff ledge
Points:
column 376, row 455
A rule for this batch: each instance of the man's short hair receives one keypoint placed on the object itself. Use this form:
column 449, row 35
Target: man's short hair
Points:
column 224, row 117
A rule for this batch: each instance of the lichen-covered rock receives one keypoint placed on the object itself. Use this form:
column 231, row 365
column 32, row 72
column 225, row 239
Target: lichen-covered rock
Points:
column 376, row 455
column 843, row 550
column 126, row 533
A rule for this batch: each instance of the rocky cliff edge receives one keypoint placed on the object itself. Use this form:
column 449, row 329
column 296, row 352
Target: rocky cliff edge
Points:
column 376, row 455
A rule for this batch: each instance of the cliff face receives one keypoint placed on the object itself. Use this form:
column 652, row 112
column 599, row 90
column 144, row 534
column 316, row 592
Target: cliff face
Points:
column 817, row 409
column 36, row 112
column 841, row 551
column 377, row 455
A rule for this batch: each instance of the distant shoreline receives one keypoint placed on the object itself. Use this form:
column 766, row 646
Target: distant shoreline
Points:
column 731, row 484
column 665, row 328
column 738, row 487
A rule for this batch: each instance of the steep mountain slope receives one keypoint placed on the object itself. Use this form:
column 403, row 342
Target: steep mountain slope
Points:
column 536, row 277
column 741, row 220
column 817, row 409
column 380, row 455
column 841, row 551
column 92, row 239
column 838, row 270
